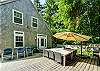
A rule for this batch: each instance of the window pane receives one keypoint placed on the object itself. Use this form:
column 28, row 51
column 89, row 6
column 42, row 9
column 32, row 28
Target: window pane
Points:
column 17, row 17
column 18, row 32
column 19, row 44
column 16, row 14
column 42, row 42
column 17, row 20
column 17, row 38
column 38, row 42
column 45, row 42
column 34, row 22
column 21, row 38
column 20, row 16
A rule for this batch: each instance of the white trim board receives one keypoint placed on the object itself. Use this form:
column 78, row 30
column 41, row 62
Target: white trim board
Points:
column 32, row 21
column 41, row 36
column 13, row 16
column 22, row 34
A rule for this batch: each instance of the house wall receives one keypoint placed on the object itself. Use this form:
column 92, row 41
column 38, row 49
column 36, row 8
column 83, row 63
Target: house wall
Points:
column 0, row 26
column 8, row 27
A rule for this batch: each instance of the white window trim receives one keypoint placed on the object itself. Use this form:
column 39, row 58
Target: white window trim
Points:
column 18, row 35
column 13, row 16
column 32, row 22
column 43, row 35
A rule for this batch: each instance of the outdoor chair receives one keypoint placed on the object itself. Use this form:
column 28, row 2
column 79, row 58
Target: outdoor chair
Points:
column 68, row 58
column 74, row 54
column 58, row 57
column 95, row 53
column 7, row 54
column 46, row 53
column 20, row 52
column 51, row 54
column 29, row 51
column 35, row 50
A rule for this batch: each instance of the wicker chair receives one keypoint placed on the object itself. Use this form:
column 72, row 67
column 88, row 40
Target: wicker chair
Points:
column 20, row 52
column 7, row 54
column 74, row 54
column 58, row 57
column 29, row 51
column 68, row 59
column 46, row 53
column 51, row 55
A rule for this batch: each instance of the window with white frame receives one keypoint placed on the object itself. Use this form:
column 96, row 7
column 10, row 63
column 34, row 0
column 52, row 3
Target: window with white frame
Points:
column 34, row 22
column 17, row 17
column 18, row 39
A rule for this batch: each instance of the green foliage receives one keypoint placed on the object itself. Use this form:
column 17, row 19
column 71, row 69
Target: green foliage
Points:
column 63, row 15
column 57, row 15
column 81, row 16
column 85, row 52
column 89, row 18
column 50, row 10
column 38, row 6
column 95, row 40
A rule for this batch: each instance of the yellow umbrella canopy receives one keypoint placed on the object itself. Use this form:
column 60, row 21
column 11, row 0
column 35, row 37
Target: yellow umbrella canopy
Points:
column 71, row 36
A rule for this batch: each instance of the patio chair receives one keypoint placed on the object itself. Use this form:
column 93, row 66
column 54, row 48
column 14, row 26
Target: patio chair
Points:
column 74, row 54
column 68, row 59
column 20, row 52
column 7, row 54
column 51, row 55
column 46, row 53
column 58, row 57
column 97, row 55
column 96, row 52
column 29, row 51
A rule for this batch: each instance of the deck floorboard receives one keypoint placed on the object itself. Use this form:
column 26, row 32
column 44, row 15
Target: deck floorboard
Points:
column 45, row 64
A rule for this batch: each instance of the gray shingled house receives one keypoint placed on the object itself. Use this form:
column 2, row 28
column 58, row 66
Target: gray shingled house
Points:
column 22, row 26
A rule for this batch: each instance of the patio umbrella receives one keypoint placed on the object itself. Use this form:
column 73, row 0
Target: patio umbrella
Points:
column 71, row 36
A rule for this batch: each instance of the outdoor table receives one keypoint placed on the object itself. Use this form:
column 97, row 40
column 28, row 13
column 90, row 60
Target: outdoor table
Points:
column 63, row 52
column 53, row 50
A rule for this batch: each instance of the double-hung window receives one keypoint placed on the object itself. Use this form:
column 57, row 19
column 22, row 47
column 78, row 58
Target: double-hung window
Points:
column 18, row 39
column 17, row 17
column 34, row 22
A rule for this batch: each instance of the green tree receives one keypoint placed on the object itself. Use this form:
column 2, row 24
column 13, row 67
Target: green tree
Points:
column 81, row 16
column 90, row 18
column 49, row 13
column 38, row 6
column 62, row 15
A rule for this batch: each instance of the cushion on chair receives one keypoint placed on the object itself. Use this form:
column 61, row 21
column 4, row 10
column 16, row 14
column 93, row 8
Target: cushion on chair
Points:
column 29, row 50
column 20, row 50
column 58, row 57
column 51, row 54
column 46, row 53
column 7, row 51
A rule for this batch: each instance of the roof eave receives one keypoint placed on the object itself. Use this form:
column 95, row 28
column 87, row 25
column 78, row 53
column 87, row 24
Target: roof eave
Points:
column 6, row 2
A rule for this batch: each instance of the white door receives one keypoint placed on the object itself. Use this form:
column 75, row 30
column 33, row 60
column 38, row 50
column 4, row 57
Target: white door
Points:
column 42, row 42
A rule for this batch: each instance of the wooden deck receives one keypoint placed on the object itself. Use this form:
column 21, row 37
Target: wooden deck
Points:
column 45, row 64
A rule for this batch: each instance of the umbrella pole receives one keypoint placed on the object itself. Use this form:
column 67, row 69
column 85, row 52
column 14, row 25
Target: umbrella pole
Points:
column 81, row 48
